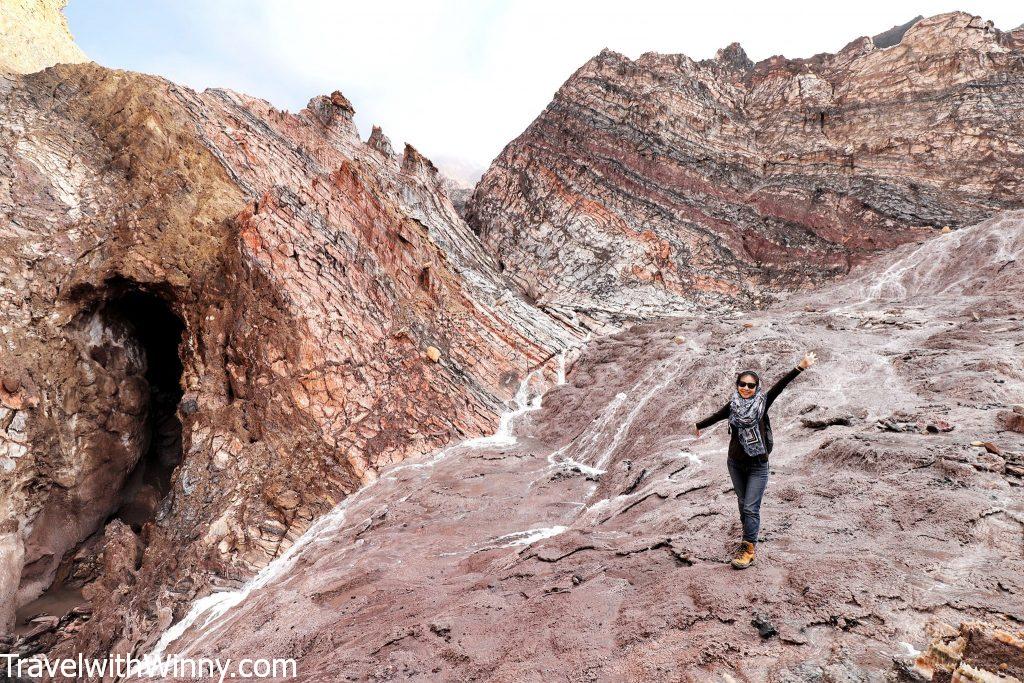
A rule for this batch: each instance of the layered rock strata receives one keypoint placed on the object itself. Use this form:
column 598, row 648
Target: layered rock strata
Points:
column 649, row 186
column 596, row 546
column 219, row 319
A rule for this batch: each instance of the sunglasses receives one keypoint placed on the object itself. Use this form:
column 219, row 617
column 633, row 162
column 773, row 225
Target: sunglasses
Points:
column 748, row 385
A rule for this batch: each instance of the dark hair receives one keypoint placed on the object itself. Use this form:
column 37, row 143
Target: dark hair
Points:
column 745, row 373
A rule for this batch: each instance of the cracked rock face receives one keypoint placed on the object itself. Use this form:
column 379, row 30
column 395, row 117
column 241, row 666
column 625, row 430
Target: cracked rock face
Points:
column 597, row 545
column 650, row 186
column 216, row 320
column 248, row 361
column 35, row 36
column 974, row 652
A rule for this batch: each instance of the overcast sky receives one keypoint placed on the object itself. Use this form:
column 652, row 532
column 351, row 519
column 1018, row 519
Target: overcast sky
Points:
column 457, row 79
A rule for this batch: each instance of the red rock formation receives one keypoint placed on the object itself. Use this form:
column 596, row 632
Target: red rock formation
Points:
column 597, row 546
column 220, row 321
column 216, row 323
column 975, row 652
column 648, row 185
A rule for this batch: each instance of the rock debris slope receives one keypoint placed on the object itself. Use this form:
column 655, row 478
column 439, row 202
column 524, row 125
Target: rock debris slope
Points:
column 594, row 547
column 218, row 320
column 659, row 184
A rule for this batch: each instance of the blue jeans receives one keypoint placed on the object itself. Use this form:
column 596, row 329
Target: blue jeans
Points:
column 749, row 479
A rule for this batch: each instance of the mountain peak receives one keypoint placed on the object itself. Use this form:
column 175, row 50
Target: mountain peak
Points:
column 735, row 56
column 895, row 34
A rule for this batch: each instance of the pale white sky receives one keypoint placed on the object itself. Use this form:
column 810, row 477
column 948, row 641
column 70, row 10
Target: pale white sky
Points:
column 457, row 79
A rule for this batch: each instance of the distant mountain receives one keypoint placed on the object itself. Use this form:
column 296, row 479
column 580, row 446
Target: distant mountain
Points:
column 894, row 35
column 663, row 185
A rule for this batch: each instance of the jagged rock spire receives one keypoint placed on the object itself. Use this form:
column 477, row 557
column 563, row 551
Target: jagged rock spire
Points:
column 380, row 142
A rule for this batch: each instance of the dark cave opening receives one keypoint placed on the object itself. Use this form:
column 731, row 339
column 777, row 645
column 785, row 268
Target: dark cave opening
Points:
column 144, row 316
column 159, row 332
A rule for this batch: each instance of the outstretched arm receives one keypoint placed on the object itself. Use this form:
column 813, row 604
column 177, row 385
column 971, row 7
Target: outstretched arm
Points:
column 711, row 419
column 773, row 393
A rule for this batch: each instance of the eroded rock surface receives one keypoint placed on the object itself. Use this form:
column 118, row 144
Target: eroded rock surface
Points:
column 219, row 320
column 595, row 547
column 247, row 361
column 659, row 184
column 975, row 652
column 35, row 36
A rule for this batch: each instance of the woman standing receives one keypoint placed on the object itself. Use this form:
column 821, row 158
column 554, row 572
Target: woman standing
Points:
column 750, row 442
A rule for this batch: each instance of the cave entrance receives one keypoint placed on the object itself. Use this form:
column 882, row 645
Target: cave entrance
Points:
column 147, row 318
column 158, row 330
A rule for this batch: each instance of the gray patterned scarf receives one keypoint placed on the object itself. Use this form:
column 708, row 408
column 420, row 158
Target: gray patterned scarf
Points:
column 745, row 417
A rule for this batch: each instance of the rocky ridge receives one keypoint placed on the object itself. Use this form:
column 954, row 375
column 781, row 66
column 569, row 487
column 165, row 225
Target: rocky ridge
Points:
column 219, row 319
column 664, row 185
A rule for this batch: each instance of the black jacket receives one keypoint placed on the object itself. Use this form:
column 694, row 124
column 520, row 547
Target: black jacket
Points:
column 736, row 451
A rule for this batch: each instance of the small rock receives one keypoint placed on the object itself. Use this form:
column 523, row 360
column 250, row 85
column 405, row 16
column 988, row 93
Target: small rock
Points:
column 287, row 500
column 936, row 426
column 164, row 617
column 763, row 626
column 11, row 383
column 133, row 395
column 13, row 401
column 433, row 353
column 65, row 479
column 443, row 631
column 890, row 424
column 827, row 420
column 1012, row 420
column 219, row 528
column 189, row 406
column 990, row 462
column 992, row 448
column 679, row 339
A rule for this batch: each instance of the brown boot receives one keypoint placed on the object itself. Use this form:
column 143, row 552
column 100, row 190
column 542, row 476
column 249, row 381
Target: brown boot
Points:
column 744, row 555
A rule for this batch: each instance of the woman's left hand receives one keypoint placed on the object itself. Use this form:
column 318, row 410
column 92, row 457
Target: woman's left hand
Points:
column 808, row 360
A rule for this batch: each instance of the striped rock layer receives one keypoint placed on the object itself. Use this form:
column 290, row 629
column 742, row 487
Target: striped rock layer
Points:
column 218, row 320
column 648, row 186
